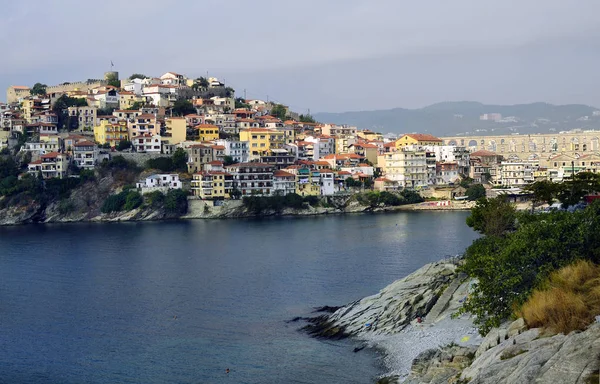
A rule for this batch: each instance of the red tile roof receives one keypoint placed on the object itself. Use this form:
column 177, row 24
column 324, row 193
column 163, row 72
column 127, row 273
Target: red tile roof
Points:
column 423, row 137
column 283, row 174
column 483, row 153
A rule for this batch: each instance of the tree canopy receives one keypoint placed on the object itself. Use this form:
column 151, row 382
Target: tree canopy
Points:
column 137, row 76
column 279, row 111
column 475, row 192
column 306, row 119
column 38, row 89
column 492, row 217
column 183, row 107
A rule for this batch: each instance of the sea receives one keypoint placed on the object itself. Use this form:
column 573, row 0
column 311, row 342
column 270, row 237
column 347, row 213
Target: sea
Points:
column 202, row 301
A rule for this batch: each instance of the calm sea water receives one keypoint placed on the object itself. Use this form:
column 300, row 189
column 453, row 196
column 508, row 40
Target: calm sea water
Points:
column 179, row 302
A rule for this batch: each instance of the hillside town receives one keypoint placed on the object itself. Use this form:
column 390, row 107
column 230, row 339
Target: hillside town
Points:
column 236, row 147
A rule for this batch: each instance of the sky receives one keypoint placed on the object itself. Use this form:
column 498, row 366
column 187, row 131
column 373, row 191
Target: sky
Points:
column 318, row 55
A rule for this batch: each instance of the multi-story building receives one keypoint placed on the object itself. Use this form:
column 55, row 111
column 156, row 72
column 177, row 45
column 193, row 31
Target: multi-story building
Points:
column 213, row 185
column 175, row 130
column 111, row 133
column 407, row 167
column 338, row 130
column 85, row 154
column 146, row 143
column 419, row 139
column 252, row 178
column 143, row 124
column 85, row 116
column 446, row 173
column 366, row 150
column 483, row 166
column 53, row 164
column 284, row 183
column 452, row 154
column 207, row 132
column 516, row 174
column 237, row 150
column 261, row 140
column 198, row 155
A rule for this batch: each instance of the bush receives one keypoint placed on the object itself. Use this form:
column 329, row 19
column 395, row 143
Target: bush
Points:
column 164, row 164
column 132, row 200
column 509, row 266
column 114, row 203
column 176, row 202
column 155, row 198
column 475, row 192
column 569, row 301
column 313, row 201
column 65, row 206
column 123, row 145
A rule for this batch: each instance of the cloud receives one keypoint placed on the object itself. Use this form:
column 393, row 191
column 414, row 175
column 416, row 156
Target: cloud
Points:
column 67, row 40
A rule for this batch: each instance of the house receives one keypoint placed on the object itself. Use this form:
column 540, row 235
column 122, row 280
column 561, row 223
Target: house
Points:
column 338, row 130
column 446, row 173
column 53, row 164
column 15, row 93
column 252, row 178
column 309, row 182
column 407, row 167
column 418, row 139
column 111, row 133
column 213, row 185
column 146, row 143
column 143, row 124
column 326, row 181
column 207, row 132
column 107, row 99
column 383, row 184
column 175, row 130
column 237, row 150
column 159, row 182
column 172, row 78
column 284, row 183
column 85, row 116
column 343, row 160
column 198, row 155
column 516, row 173
column 261, row 140
column 41, row 129
column 85, row 154
column 482, row 165
column 366, row 150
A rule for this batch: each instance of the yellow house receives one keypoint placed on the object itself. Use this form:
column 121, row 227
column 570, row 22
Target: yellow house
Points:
column 110, row 133
column 213, row 185
column 417, row 139
column 207, row 132
column 259, row 140
column 175, row 129
column 369, row 135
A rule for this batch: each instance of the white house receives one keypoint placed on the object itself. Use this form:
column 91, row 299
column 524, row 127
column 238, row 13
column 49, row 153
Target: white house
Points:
column 147, row 143
column 238, row 150
column 159, row 182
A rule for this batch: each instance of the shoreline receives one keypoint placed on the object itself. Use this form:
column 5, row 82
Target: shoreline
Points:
column 230, row 211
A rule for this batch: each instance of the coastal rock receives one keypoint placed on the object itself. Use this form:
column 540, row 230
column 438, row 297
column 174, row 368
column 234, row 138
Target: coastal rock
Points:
column 531, row 357
column 400, row 303
column 440, row 365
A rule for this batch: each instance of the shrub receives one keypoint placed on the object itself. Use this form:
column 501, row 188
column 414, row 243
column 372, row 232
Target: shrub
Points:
column 312, row 200
column 132, row 200
column 114, row 203
column 475, row 192
column 155, row 198
column 569, row 301
column 509, row 267
column 164, row 164
column 176, row 202
column 123, row 145
column 65, row 206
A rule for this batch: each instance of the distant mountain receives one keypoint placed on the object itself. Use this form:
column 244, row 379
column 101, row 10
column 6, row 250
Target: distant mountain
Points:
column 463, row 118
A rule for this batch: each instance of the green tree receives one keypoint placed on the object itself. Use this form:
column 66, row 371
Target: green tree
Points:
column 176, row 202
column 137, row 76
column 306, row 118
column 180, row 157
column 235, row 193
column 136, row 106
column 113, row 80
column 475, row 192
column 229, row 92
column 241, row 103
column 183, row 107
column 572, row 191
column 132, row 200
column 228, row 160
column 466, row 181
column 543, row 191
column 123, row 145
column 279, row 111
column 202, row 82
column 164, row 164
column 38, row 89
column 492, row 217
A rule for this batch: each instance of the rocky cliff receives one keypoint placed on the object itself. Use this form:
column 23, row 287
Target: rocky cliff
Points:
column 410, row 320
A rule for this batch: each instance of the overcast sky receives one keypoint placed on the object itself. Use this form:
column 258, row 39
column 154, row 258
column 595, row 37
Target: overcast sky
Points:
column 325, row 55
